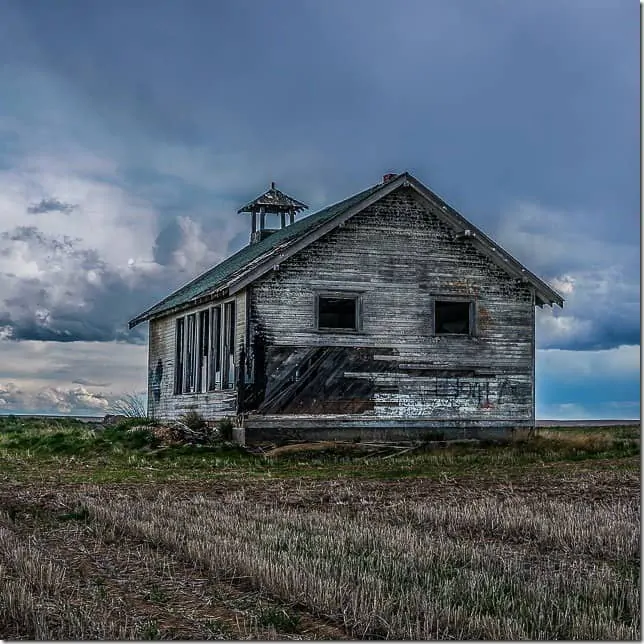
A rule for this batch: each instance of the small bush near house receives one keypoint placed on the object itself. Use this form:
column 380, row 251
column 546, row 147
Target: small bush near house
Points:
column 225, row 429
column 194, row 420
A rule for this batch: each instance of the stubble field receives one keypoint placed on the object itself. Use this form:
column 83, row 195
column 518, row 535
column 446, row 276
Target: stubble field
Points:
column 532, row 541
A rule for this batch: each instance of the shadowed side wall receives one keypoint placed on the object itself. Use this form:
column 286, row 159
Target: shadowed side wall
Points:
column 162, row 401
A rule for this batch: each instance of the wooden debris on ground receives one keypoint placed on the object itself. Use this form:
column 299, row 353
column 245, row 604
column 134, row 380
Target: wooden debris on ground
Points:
column 387, row 450
column 174, row 432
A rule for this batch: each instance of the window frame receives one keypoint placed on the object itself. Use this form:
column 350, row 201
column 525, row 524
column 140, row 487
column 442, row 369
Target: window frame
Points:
column 189, row 354
column 352, row 295
column 473, row 317
column 228, row 342
column 215, row 350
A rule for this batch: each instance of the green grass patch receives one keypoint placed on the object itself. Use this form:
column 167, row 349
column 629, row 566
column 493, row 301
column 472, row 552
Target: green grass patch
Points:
column 280, row 619
column 71, row 451
column 79, row 514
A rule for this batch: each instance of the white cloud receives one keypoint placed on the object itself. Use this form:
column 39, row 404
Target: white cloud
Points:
column 69, row 400
column 78, row 377
column 560, row 329
column 618, row 363
column 193, row 252
column 565, row 284
column 67, row 377
column 105, row 218
column 72, row 400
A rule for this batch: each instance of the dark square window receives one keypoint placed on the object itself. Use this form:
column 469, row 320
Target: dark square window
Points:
column 337, row 313
column 452, row 317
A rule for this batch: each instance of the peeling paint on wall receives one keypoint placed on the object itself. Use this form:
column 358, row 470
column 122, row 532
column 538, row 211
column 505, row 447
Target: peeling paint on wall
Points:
column 155, row 379
column 400, row 258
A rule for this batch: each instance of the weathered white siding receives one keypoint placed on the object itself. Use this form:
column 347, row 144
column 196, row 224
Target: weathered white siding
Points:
column 399, row 256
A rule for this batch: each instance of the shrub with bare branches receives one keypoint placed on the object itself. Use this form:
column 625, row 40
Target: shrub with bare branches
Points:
column 129, row 405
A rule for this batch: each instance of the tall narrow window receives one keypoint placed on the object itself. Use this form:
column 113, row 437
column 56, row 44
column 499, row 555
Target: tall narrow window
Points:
column 191, row 335
column 202, row 358
column 214, row 380
column 179, row 349
column 228, row 380
column 205, row 350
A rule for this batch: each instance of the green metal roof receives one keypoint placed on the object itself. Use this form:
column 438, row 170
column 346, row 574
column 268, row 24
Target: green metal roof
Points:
column 215, row 277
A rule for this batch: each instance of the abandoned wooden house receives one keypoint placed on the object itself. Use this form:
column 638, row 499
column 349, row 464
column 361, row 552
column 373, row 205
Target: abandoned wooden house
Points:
column 384, row 316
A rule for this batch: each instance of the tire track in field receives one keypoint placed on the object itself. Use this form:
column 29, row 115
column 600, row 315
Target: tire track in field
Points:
column 155, row 586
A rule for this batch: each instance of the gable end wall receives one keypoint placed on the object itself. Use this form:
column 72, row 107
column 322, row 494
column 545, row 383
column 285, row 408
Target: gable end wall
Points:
column 398, row 256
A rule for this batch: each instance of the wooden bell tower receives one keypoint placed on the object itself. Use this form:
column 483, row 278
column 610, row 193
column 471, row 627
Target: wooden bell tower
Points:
column 272, row 202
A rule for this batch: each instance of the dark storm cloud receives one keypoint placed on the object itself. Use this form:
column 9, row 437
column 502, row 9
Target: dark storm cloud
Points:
column 85, row 299
column 33, row 234
column 65, row 306
column 51, row 205
column 484, row 103
column 99, row 313
column 381, row 89
column 613, row 329
column 167, row 242
column 64, row 324
column 597, row 275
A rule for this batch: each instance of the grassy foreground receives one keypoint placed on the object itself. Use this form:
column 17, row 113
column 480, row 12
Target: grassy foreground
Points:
column 69, row 451
column 535, row 539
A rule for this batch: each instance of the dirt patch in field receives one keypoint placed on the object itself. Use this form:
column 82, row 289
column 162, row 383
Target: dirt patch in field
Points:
column 597, row 479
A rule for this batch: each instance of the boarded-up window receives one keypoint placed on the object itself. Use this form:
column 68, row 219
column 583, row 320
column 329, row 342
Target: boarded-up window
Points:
column 337, row 312
column 452, row 317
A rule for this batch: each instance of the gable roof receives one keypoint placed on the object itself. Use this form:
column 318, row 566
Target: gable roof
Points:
column 254, row 260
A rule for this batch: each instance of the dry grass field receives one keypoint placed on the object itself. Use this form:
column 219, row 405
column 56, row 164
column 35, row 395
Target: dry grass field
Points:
column 537, row 540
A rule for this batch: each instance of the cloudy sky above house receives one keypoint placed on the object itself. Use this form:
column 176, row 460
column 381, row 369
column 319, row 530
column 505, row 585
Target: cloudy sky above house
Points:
column 130, row 132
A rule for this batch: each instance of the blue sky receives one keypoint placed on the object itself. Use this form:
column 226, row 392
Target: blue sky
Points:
column 130, row 132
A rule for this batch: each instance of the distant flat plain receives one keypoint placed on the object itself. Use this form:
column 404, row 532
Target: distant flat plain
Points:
column 600, row 422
